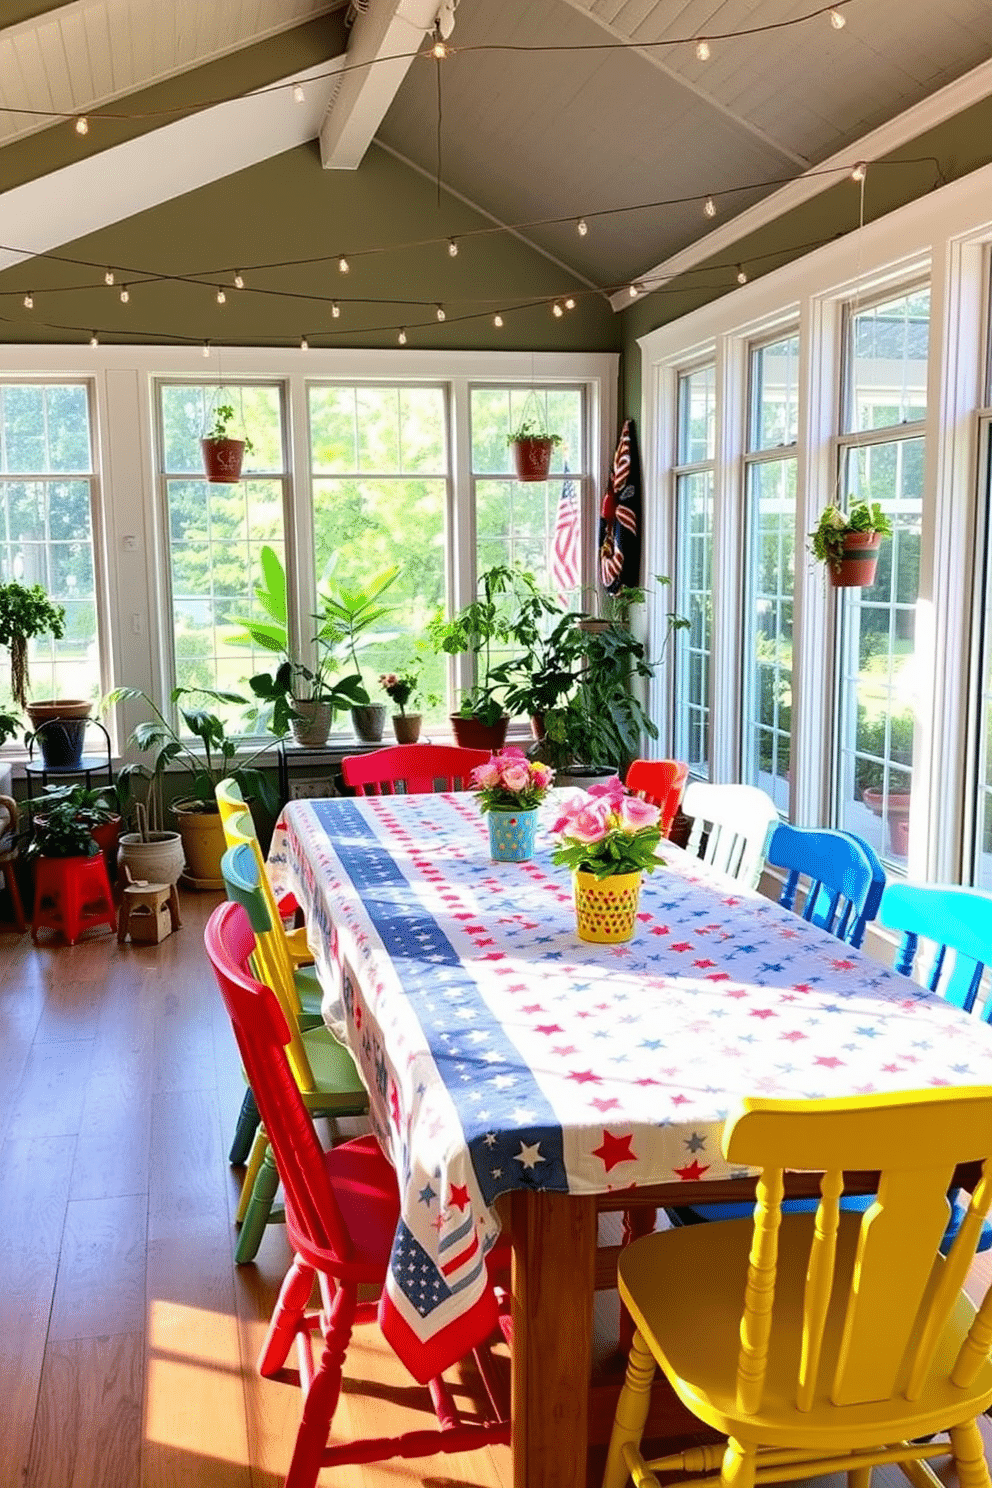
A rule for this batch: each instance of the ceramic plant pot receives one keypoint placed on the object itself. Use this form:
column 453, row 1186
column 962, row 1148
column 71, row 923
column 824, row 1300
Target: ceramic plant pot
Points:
column 471, row 734
column 60, row 726
column 532, row 458
column 159, row 860
column 311, row 722
column 511, row 835
column 222, row 460
column 368, row 721
column 860, row 560
column 406, row 727
column 203, row 845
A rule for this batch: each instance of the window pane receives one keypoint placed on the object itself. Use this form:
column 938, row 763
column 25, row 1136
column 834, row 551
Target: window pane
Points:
column 694, row 584
column 982, row 867
column 888, row 363
column 46, row 528
column 768, row 651
column 774, row 418
column 379, row 496
column 697, row 416
column 187, row 414
column 878, row 685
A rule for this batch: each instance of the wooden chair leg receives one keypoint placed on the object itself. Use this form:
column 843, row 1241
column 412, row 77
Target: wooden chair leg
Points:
column 256, row 1156
column 244, row 1132
column 286, row 1317
column 969, row 1455
column 322, row 1396
column 258, row 1211
column 632, row 1412
column 739, row 1465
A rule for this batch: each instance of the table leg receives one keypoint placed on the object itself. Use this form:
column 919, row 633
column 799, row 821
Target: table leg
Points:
column 554, row 1253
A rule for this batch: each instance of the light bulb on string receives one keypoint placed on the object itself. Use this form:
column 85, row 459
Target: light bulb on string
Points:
column 709, row 207
column 343, row 265
column 837, row 20
column 401, row 338
column 439, row 312
column 703, row 50
column 304, row 344
column 82, row 125
column 29, row 301
column 859, row 172
column 633, row 290
column 206, row 348
column 94, row 339
column 557, row 310
column 108, row 277
column 570, row 303
column 498, row 321
column 439, row 50
column 452, row 248
column 125, row 294
column 239, row 279
column 335, row 310
column 298, row 95
column 741, row 274
column 582, row 227
column 221, row 297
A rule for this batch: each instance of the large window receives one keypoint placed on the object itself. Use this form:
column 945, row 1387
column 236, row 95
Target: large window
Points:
column 981, row 866
column 770, row 486
column 216, row 532
column 380, row 473
column 881, row 459
column 694, row 474
column 46, row 525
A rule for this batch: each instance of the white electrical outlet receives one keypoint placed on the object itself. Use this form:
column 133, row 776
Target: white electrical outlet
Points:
column 309, row 790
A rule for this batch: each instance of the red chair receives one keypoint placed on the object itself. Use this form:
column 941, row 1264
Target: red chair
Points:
column 411, row 769
column 342, row 1209
column 661, row 782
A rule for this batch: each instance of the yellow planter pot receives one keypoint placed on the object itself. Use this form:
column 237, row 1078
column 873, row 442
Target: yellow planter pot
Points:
column 606, row 908
column 203, row 845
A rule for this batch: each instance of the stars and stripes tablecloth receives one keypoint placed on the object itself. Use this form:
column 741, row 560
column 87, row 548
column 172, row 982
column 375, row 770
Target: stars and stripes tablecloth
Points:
column 501, row 1052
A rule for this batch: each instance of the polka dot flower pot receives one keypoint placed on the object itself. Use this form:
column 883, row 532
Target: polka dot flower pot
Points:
column 606, row 908
column 511, row 835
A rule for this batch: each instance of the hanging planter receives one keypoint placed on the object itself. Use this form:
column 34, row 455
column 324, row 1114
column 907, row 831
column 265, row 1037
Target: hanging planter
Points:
column 848, row 543
column 223, row 455
column 532, row 443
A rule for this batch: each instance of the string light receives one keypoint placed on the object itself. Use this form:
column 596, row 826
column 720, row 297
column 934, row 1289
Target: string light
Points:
column 401, row 338
column 29, row 301
column 859, row 172
column 439, row 50
column 239, row 279
column 633, row 290
column 709, row 207
column 125, row 294
column 741, row 274
column 343, row 265
column 498, row 321
column 206, row 348
column 335, row 310
column 703, row 50
column 582, row 227
column 82, row 126
column 298, row 95
column 221, row 297
column 440, row 313
column 108, row 277
column 452, row 248
column 94, row 339
column 557, row 311
column 837, row 20
column 570, row 303
column 304, row 344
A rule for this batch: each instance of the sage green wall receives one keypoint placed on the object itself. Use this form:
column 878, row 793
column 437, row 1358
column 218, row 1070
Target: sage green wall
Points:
column 954, row 148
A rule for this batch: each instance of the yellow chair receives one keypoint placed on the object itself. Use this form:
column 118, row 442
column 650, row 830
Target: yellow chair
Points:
column 830, row 1342
column 239, row 826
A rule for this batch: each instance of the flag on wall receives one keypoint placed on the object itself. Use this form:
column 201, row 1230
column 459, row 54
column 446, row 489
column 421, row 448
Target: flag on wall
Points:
column 620, row 517
column 565, row 547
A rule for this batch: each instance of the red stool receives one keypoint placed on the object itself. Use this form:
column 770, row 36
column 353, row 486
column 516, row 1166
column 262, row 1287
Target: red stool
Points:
column 72, row 895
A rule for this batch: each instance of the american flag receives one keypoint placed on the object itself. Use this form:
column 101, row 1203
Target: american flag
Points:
column 565, row 547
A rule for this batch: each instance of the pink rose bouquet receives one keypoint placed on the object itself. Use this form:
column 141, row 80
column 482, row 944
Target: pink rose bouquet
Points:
column 511, row 782
column 614, row 832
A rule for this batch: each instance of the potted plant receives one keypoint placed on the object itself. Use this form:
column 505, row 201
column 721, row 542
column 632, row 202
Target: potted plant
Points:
column 510, row 789
column 848, row 542
column 196, row 812
column 301, row 699
column 97, row 807
column 26, row 612
column 223, row 454
column 532, row 445
column 347, row 615
column 608, row 843
column 61, row 832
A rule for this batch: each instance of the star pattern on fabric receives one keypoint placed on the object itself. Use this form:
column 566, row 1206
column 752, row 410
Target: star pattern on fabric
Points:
column 458, row 1196
column 613, row 1150
column 529, row 1156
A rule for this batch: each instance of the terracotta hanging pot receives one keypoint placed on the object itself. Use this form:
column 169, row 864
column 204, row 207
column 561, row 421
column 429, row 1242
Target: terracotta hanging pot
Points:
column 532, row 458
column 471, row 734
column 860, row 560
column 222, row 459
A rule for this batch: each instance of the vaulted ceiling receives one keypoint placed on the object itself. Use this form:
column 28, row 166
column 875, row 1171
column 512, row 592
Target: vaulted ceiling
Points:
column 544, row 113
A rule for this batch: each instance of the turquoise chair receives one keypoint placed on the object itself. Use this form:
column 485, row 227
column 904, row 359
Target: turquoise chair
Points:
column 841, row 876
column 955, row 919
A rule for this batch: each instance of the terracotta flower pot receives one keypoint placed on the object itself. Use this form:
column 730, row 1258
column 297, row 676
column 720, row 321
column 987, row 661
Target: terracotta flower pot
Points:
column 860, row 560
column 471, row 734
column 406, row 727
column 895, row 808
column 532, row 458
column 222, row 460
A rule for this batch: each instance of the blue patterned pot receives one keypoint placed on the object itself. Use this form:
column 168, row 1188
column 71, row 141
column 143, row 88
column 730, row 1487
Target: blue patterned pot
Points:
column 511, row 835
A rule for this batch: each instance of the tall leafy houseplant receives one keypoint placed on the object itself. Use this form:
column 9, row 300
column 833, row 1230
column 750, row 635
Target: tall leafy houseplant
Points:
column 296, row 693
column 347, row 618
column 26, row 612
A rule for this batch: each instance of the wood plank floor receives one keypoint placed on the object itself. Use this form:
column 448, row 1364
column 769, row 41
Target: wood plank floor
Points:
column 128, row 1338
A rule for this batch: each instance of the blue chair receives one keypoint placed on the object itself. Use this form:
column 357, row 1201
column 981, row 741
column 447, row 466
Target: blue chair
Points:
column 842, row 878
column 955, row 919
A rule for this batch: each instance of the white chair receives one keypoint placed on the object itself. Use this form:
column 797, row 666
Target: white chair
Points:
column 738, row 822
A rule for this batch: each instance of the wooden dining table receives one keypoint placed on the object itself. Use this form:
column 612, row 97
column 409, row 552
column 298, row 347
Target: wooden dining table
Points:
column 521, row 1077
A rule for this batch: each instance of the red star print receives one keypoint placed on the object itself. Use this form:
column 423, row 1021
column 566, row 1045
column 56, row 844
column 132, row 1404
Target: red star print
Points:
column 535, row 1007
column 660, row 930
column 682, row 945
column 613, row 1150
column 693, row 1172
column 458, row 1196
column 829, row 1060
column 762, row 1013
column 564, row 1052
column 704, row 963
column 584, row 1077
column 842, row 965
column 604, row 1105
column 802, row 987
column 548, row 1028
column 731, row 991
column 719, row 976
column 680, row 1100
column 890, row 1069
column 794, row 1036
column 394, row 1104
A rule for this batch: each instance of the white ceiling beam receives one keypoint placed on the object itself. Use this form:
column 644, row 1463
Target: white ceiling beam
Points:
column 383, row 42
